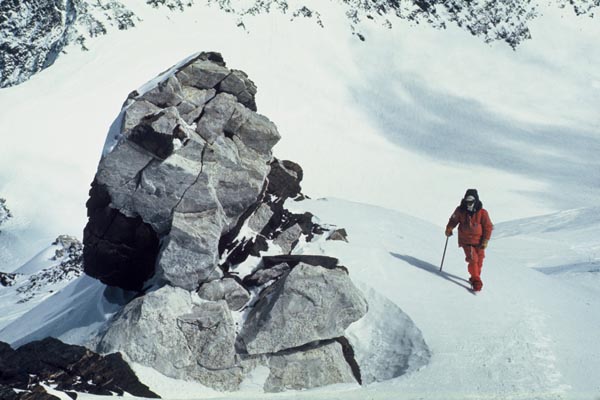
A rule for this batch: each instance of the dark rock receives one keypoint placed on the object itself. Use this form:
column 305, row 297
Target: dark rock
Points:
column 119, row 250
column 69, row 368
column 4, row 212
column 294, row 259
column 266, row 274
column 338, row 234
column 7, row 279
column 284, row 179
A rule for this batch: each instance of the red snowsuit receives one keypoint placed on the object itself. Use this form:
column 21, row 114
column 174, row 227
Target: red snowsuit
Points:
column 474, row 229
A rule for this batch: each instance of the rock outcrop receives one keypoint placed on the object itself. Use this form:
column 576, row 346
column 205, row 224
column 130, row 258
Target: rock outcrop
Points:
column 186, row 204
column 190, row 158
column 46, row 273
column 66, row 368
column 4, row 212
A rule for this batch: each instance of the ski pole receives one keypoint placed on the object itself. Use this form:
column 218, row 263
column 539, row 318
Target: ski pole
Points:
column 444, row 255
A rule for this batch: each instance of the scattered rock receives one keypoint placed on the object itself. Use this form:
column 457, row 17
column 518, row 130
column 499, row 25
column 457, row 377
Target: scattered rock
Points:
column 338, row 234
column 288, row 238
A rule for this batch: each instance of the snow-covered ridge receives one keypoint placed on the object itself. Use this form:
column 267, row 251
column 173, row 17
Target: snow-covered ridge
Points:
column 45, row 274
column 33, row 34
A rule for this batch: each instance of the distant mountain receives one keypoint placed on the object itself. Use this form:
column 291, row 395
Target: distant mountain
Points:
column 33, row 34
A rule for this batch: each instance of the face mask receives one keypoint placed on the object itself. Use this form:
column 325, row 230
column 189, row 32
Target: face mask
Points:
column 471, row 206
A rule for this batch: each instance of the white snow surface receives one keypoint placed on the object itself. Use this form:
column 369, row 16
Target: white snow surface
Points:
column 527, row 335
column 414, row 115
column 406, row 121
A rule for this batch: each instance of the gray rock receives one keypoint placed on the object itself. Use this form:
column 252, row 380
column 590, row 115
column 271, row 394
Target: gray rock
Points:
column 190, row 252
column 305, row 369
column 238, row 84
column 260, row 218
column 216, row 115
column 192, row 106
column 202, row 74
column 386, row 342
column 227, row 289
column 309, row 304
column 182, row 337
column 135, row 112
column 338, row 234
column 209, row 329
column 166, row 94
column 286, row 239
column 189, row 184
column 264, row 275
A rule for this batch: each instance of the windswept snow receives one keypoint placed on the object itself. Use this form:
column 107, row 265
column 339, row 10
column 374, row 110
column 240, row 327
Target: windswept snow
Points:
column 527, row 335
column 407, row 121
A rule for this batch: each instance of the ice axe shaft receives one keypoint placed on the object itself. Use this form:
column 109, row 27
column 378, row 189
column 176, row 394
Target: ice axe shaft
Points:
column 444, row 255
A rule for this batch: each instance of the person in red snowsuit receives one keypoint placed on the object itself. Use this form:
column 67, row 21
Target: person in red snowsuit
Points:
column 474, row 232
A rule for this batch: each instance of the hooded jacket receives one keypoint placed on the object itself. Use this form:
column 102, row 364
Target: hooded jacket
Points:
column 474, row 227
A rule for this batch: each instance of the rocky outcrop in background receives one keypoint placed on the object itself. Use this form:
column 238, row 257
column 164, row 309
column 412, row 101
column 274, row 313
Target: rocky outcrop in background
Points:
column 4, row 212
column 41, row 277
column 34, row 33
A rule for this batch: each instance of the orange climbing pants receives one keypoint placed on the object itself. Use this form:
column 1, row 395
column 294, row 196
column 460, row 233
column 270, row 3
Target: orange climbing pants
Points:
column 474, row 256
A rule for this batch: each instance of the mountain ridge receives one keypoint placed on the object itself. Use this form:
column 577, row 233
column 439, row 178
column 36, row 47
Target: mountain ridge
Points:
column 34, row 34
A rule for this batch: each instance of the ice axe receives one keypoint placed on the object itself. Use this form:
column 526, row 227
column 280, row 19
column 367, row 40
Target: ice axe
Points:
column 444, row 255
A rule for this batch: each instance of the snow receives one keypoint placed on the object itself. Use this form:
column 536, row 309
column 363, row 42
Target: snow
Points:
column 528, row 334
column 406, row 121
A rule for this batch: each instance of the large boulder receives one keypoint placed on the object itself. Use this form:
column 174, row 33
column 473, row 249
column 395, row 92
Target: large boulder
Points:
column 312, row 367
column 311, row 303
column 179, row 335
column 187, row 159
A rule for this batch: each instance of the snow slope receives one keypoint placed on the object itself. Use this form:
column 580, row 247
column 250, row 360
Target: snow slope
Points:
column 527, row 335
column 407, row 120
column 398, row 120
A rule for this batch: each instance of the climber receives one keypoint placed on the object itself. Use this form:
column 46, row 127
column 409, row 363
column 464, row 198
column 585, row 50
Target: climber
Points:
column 474, row 232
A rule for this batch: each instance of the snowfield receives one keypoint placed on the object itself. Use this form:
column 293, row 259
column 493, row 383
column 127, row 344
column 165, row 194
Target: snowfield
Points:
column 390, row 133
column 528, row 335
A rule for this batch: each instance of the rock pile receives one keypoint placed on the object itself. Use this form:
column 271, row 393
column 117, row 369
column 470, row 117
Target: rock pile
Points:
column 186, row 201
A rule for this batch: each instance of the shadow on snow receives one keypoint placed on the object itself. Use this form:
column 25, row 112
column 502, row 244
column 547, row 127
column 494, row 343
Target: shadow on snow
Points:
column 425, row 266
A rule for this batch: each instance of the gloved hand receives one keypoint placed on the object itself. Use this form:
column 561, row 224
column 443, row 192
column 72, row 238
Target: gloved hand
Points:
column 448, row 232
column 483, row 244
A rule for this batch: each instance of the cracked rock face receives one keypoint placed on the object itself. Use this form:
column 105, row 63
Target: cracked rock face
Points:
column 177, row 333
column 190, row 157
column 295, row 311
